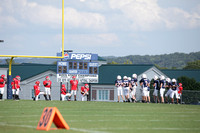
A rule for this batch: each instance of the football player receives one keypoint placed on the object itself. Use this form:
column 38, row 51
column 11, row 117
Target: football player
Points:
column 37, row 90
column 47, row 87
column 156, row 86
column 74, row 87
column 126, row 85
column 119, row 85
column 2, row 85
column 13, row 88
column 84, row 91
column 180, row 89
column 64, row 92
column 144, row 83
column 17, row 87
column 162, row 87
column 169, row 88
column 174, row 91
column 134, row 84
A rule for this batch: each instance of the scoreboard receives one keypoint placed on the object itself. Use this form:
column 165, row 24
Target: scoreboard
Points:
column 77, row 67
column 85, row 70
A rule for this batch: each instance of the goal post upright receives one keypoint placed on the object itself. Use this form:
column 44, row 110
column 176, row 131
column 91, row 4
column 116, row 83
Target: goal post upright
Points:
column 9, row 80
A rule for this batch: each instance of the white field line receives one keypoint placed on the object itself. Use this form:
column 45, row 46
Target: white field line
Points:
column 143, row 128
column 130, row 115
column 34, row 127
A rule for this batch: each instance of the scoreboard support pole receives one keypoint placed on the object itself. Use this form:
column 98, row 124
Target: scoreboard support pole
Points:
column 9, row 80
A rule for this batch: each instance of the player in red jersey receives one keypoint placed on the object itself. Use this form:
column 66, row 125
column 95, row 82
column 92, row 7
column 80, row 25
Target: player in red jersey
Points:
column 74, row 86
column 84, row 91
column 47, row 87
column 180, row 89
column 13, row 88
column 37, row 90
column 17, row 87
column 64, row 92
column 2, row 85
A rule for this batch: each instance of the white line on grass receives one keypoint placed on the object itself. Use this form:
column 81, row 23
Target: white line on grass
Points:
column 143, row 128
column 75, row 129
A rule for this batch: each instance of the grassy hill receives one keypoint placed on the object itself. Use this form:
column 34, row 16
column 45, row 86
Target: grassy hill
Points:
column 177, row 60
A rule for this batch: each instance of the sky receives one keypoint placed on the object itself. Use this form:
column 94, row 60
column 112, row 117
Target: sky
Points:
column 104, row 27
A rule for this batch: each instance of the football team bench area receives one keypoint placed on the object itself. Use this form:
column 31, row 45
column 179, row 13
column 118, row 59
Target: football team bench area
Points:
column 102, row 117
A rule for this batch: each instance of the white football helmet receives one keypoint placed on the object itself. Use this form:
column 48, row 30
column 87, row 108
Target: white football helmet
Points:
column 125, row 77
column 129, row 78
column 162, row 77
column 134, row 76
column 144, row 76
column 119, row 77
column 168, row 80
column 155, row 77
column 173, row 80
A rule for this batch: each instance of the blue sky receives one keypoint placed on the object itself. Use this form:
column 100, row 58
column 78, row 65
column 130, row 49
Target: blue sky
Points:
column 105, row 27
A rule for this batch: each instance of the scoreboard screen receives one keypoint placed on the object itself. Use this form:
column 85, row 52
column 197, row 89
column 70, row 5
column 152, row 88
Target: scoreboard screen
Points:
column 86, row 72
column 76, row 67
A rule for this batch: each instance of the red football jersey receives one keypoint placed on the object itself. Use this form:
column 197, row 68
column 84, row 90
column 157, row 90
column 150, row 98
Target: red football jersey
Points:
column 83, row 89
column 13, row 84
column 63, row 91
column 2, row 83
column 47, row 83
column 180, row 90
column 17, row 84
column 37, row 90
column 74, row 84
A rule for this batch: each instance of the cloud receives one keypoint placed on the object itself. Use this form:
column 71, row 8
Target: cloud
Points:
column 148, row 15
column 51, row 16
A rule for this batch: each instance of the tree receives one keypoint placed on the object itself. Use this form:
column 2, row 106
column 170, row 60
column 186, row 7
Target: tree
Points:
column 8, row 61
column 128, row 62
column 193, row 65
column 189, row 83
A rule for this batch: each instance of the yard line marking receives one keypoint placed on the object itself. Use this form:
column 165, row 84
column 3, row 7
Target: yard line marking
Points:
column 164, row 128
column 75, row 129
column 87, row 131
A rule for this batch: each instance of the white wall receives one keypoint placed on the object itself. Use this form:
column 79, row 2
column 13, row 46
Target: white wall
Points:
column 4, row 71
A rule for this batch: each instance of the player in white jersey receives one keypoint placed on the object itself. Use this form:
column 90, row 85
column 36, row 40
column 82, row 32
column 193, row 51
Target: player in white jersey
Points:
column 169, row 87
column 134, row 84
column 156, row 86
column 119, row 85
column 144, row 83
column 174, row 90
column 126, row 85
column 162, row 87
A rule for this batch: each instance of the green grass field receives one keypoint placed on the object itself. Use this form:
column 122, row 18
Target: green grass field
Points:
column 102, row 117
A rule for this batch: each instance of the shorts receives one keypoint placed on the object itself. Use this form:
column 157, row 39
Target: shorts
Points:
column 145, row 91
column 2, row 90
column 47, row 91
column 73, row 92
column 119, row 91
column 168, row 93
column 36, row 97
column 126, row 91
column 179, row 96
column 148, row 92
column 174, row 93
column 133, row 92
column 16, row 91
column 155, row 92
column 63, row 96
column 162, row 91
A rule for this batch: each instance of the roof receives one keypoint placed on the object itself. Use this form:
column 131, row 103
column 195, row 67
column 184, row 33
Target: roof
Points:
column 108, row 73
column 178, row 73
column 28, row 70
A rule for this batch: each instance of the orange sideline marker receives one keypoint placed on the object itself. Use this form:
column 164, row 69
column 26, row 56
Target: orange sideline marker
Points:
column 49, row 115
